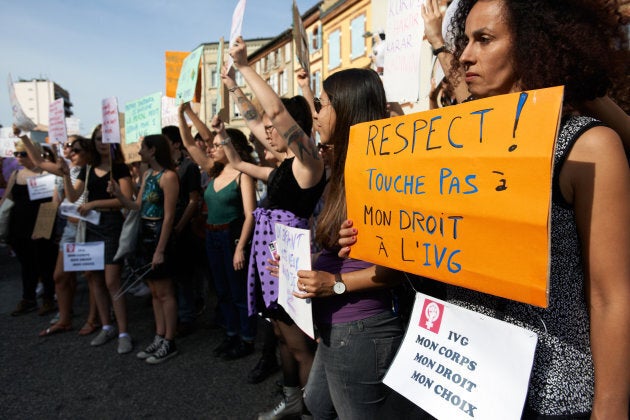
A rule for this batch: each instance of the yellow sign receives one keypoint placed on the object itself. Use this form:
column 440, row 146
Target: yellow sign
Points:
column 460, row 194
column 174, row 60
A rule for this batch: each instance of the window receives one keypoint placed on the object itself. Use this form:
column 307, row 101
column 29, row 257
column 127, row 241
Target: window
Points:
column 315, row 39
column 265, row 64
column 258, row 69
column 214, row 77
column 277, row 57
column 273, row 82
column 357, row 29
column 284, row 83
column 334, row 49
column 317, row 83
column 238, row 77
column 214, row 108
column 287, row 52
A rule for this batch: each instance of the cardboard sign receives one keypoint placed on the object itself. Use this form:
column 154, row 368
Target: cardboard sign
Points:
column 143, row 117
column 294, row 247
column 459, row 364
column 461, row 194
column 40, row 186
column 88, row 256
column 57, row 132
column 237, row 26
column 301, row 40
column 111, row 123
column 188, row 77
column 173, row 61
column 20, row 119
column 45, row 221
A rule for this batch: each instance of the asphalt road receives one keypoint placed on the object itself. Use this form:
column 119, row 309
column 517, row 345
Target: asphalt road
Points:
column 63, row 377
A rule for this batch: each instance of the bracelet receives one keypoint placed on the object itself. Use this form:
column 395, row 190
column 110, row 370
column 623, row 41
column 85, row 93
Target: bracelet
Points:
column 233, row 89
column 225, row 141
column 442, row 49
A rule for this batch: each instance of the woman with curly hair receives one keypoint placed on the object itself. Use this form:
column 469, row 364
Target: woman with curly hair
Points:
column 581, row 366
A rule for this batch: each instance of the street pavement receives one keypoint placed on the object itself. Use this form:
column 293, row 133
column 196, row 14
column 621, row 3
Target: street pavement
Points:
column 63, row 377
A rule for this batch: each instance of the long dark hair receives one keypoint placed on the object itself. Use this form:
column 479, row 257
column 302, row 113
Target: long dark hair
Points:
column 356, row 95
column 577, row 43
column 163, row 157
column 242, row 147
column 88, row 147
column 115, row 150
column 300, row 111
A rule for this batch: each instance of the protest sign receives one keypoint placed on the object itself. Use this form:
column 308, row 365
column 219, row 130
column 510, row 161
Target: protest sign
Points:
column 20, row 119
column 188, row 75
column 173, row 61
column 461, row 194
column 57, row 132
column 72, row 210
column 88, row 256
column 7, row 142
column 405, row 30
column 301, row 40
column 45, row 221
column 458, row 364
column 111, row 123
column 143, row 117
column 40, row 186
column 222, row 92
column 237, row 25
column 294, row 247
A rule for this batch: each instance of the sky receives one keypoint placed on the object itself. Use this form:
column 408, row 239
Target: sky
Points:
column 97, row 49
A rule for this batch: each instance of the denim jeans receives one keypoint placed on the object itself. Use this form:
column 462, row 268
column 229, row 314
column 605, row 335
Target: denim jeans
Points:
column 349, row 365
column 231, row 285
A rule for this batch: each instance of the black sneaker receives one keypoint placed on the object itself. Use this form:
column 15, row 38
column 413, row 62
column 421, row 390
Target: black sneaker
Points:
column 241, row 349
column 225, row 346
column 165, row 352
column 151, row 348
column 262, row 370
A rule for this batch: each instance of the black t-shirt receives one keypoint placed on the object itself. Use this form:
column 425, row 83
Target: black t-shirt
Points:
column 97, row 186
column 189, row 181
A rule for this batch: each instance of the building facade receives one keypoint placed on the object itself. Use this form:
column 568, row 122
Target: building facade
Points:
column 36, row 95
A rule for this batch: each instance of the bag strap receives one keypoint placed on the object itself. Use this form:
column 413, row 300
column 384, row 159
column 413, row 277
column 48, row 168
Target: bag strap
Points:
column 12, row 180
column 86, row 192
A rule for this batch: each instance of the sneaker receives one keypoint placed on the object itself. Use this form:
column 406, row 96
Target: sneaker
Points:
column 241, row 349
column 24, row 307
column 103, row 337
column 125, row 344
column 290, row 406
column 225, row 346
column 151, row 348
column 165, row 352
column 262, row 370
column 47, row 307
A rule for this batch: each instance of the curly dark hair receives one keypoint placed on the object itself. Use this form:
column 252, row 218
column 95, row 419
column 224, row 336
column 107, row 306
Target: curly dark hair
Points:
column 242, row 147
column 577, row 43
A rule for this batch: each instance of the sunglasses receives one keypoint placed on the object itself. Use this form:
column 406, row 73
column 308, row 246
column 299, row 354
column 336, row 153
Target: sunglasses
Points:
column 324, row 147
column 76, row 151
column 319, row 104
column 20, row 154
column 67, row 145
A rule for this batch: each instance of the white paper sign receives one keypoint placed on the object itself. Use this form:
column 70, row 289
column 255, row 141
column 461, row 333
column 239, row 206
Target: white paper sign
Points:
column 20, row 119
column 57, row 132
column 111, row 124
column 40, row 186
column 88, row 256
column 294, row 247
column 405, row 30
column 459, row 364
column 72, row 210
column 237, row 26
column 7, row 142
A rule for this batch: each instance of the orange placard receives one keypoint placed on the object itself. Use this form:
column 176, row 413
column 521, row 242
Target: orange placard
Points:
column 460, row 194
column 174, row 60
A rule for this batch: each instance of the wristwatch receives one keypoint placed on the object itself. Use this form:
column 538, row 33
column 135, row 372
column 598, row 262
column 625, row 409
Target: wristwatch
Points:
column 340, row 287
column 442, row 49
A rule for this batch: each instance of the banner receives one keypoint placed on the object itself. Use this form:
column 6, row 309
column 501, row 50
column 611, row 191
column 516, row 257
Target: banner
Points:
column 459, row 364
column 188, row 75
column 143, row 117
column 460, row 194
column 111, row 123
column 301, row 40
column 294, row 247
column 57, row 132
column 173, row 61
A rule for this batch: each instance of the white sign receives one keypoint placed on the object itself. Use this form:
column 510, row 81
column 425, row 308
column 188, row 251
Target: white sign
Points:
column 111, row 124
column 73, row 125
column 20, row 119
column 88, row 256
column 72, row 210
column 237, row 26
column 170, row 112
column 40, row 186
column 458, row 364
column 57, row 132
column 7, row 142
column 405, row 30
column 294, row 247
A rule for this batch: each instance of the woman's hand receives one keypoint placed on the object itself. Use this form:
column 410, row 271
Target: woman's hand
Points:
column 158, row 259
column 312, row 284
column 274, row 266
column 239, row 259
column 218, row 126
column 347, row 238
column 303, row 79
column 62, row 166
column 228, row 76
column 183, row 107
column 238, row 52
column 432, row 17
column 85, row 208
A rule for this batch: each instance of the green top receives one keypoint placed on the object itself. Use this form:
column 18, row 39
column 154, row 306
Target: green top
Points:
column 224, row 205
column 153, row 197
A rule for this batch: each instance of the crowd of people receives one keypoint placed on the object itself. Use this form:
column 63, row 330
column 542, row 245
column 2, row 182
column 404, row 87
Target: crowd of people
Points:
column 581, row 367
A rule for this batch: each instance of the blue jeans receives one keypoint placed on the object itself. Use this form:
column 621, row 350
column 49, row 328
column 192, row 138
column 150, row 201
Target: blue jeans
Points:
column 231, row 285
column 350, row 362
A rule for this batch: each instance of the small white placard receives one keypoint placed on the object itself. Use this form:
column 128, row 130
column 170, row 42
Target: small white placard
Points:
column 57, row 131
column 72, row 210
column 40, row 186
column 294, row 247
column 111, row 124
column 88, row 256
column 458, row 364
